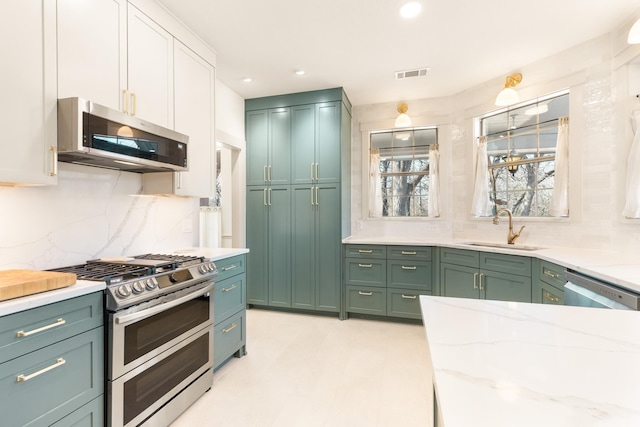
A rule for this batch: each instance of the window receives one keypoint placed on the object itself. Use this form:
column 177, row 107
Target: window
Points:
column 400, row 172
column 521, row 148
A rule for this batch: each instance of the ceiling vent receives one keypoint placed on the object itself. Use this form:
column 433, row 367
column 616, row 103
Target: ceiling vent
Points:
column 418, row 72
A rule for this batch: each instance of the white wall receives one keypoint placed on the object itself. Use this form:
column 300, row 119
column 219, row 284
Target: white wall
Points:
column 603, row 80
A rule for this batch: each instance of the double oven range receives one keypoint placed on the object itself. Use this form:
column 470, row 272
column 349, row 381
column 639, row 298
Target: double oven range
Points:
column 158, row 334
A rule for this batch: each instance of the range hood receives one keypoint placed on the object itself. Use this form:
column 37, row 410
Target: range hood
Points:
column 94, row 135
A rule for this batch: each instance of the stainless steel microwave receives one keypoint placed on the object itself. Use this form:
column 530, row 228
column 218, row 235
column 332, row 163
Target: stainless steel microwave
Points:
column 93, row 135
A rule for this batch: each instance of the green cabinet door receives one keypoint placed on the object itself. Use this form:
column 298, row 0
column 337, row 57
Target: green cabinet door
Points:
column 258, row 244
column 303, row 144
column 328, row 142
column 328, row 248
column 257, row 135
column 459, row 281
column 504, row 286
column 279, row 168
column 279, row 260
column 303, row 247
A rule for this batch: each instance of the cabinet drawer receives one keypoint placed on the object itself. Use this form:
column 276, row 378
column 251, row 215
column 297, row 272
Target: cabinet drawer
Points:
column 228, row 337
column 509, row 264
column 366, row 272
column 90, row 415
column 56, row 381
column 552, row 274
column 366, row 300
column 230, row 297
column 230, row 267
column 404, row 303
column 366, row 251
column 29, row 330
column 549, row 294
column 409, row 253
column 463, row 257
column 409, row 274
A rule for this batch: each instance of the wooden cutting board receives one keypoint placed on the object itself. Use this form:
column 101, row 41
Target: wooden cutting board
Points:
column 18, row 283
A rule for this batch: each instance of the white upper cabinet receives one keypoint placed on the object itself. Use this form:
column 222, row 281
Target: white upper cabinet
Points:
column 92, row 51
column 150, row 70
column 28, row 85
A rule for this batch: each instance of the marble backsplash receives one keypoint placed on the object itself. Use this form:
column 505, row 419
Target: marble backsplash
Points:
column 91, row 213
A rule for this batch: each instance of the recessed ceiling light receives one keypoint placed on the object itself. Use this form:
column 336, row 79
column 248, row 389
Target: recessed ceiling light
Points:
column 410, row 10
column 299, row 72
column 247, row 80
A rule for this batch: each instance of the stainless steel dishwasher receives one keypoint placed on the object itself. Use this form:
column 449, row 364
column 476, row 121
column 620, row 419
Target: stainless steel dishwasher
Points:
column 585, row 291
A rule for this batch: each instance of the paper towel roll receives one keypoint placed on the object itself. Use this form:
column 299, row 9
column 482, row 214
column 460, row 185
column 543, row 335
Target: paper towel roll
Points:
column 210, row 227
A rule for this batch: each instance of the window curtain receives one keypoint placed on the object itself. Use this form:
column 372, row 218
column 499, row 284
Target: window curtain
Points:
column 560, row 197
column 375, row 185
column 481, row 205
column 632, row 194
column 434, row 182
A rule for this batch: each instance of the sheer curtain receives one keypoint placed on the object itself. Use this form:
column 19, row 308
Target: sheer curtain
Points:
column 481, row 205
column 632, row 196
column 560, row 197
column 434, row 182
column 375, row 186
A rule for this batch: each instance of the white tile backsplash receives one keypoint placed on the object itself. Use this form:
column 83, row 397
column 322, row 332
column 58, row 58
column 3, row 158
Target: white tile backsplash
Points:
column 91, row 213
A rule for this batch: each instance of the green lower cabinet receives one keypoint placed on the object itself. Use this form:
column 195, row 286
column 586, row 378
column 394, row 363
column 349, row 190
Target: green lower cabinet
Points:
column 404, row 303
column 363, row 300
column 459, row 281
column 409, row 274
column 89, row 415
column 366, row 272
column 547, row 294
column 229, row 338
column 504, row 286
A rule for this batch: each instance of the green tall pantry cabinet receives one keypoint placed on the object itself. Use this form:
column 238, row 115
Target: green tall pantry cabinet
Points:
column 298, row 200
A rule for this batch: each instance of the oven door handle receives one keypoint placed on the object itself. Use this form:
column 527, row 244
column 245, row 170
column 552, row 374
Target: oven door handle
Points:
column 164, row 306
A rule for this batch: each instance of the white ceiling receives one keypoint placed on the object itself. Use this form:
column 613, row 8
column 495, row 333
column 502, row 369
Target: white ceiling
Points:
column 359, row 44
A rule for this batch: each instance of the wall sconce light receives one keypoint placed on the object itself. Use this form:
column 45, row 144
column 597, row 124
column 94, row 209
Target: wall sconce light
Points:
column 402, row 121
column 508, row 95
column 634, row 33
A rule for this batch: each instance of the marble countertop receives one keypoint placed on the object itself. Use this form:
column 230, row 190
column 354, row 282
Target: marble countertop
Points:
column 501, row 363
column 83, row 287
column 618, row 268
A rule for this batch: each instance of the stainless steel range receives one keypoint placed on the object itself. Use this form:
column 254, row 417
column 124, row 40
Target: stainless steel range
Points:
column 159, row 334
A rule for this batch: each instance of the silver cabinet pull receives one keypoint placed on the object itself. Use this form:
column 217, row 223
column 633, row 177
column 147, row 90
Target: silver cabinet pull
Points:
column 409, row 296
column 59, row 322
column 269, row 191
column 230, row 288
column 269, row 173
column 317, row 176
column 317, row 203
column 475, row 280
column 365, row 251
column 480, row 281
column 312, row 196
column 264, row 173
column 231, row 267
column 23, row 378
column 365, row 265
column 264, row 196
column 311, row 172
column 550, row 273
column 229, row 329
column 54, row 160
column 366, row 294
column 408, row 252
column 413, row 267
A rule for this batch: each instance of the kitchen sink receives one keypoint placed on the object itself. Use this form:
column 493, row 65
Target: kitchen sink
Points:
column 502, row 246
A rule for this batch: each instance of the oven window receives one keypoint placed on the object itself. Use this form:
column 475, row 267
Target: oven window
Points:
column 143, row 390
column 146, row 335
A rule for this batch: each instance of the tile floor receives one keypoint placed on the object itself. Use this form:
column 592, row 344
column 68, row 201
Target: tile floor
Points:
column 307, row 371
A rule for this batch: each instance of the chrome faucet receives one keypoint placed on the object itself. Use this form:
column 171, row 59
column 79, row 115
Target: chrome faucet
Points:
column 512, row 236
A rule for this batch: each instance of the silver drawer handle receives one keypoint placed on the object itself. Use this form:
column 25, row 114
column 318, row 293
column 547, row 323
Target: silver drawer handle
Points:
column 229, row 329
column 231, row 267
column 404, row 267
column 365, row 251
column 23, row 378
column 365, row 265
column 366, row 294
column 57, row 323
column 230, row 288
column 551, row 274
column 408, row 253
column 409, row 296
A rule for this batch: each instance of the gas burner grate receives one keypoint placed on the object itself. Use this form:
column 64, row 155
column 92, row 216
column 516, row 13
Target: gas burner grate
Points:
column 181, row 260
column 109, row 273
